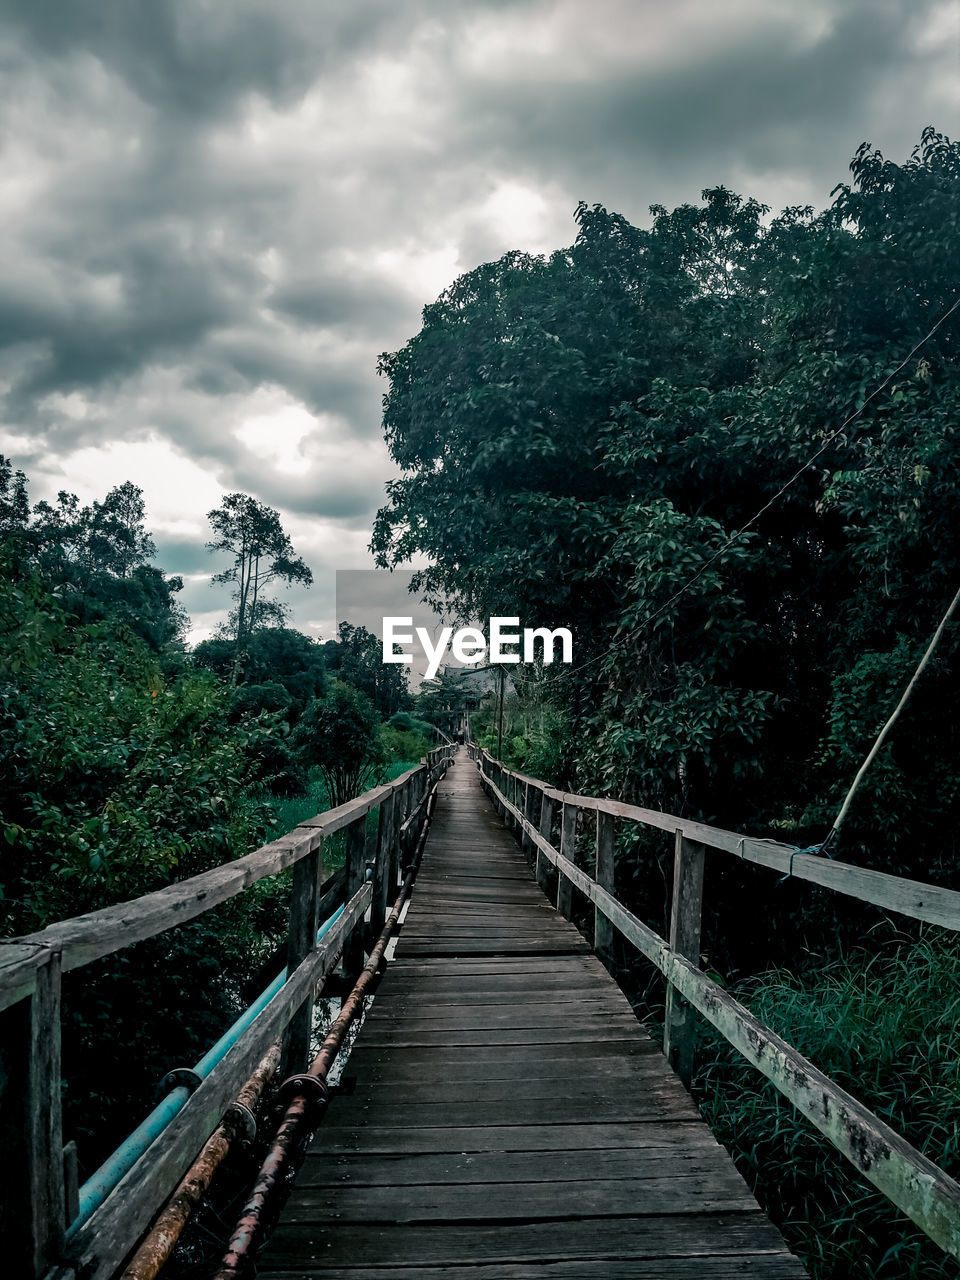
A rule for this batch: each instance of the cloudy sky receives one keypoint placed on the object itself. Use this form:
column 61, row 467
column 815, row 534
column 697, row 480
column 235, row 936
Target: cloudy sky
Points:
column 217, row 213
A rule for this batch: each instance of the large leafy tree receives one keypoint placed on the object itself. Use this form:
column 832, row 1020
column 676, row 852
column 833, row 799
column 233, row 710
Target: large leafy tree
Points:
column 261, row 553
column 338, row 734
column 581, row 437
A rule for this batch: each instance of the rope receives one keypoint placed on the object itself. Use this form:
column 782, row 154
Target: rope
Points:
column 882, row 735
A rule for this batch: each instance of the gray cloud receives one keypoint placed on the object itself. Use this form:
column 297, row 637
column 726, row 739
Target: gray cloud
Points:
column 219, row 212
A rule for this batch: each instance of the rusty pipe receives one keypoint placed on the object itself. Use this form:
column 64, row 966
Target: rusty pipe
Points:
column 310, row 1093
column 158, row 1244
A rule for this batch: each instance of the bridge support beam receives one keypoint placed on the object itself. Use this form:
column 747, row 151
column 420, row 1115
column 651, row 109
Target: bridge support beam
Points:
column 685, row 921
column 546, row 831
column 356, row 868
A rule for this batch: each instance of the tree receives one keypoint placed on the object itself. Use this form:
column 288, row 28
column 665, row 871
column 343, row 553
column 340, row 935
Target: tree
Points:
column 357, row 657
column 275, row 655
column 338, row 734
column 262, row 553
column 94, row 558
column 581, row 436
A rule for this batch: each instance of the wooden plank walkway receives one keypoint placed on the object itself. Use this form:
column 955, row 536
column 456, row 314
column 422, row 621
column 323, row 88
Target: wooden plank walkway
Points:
column 504, row 1114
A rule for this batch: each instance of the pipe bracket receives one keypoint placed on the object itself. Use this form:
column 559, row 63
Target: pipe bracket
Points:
column 244, row 1123
column 181, row 1078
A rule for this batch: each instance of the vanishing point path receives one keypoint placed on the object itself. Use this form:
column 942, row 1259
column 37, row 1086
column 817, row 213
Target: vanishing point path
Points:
column 503, row 1113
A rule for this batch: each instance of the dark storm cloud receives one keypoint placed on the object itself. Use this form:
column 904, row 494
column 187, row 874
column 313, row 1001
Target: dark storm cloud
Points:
column 195, row 59
column 219, row 212
column 766, row 104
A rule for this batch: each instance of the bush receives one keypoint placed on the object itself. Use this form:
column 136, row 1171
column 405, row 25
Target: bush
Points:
column 339, row 735
column 884, row 1028
column 403, row 744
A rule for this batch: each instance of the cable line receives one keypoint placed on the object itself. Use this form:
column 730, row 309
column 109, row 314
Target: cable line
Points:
column 882, row 735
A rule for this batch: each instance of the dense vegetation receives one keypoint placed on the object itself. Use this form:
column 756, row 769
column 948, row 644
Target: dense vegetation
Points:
column 724, row 450
column 129, row 762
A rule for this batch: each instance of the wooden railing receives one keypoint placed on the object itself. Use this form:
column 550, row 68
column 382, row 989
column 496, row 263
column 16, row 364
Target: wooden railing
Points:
column 924, row 1192
column 30, row 970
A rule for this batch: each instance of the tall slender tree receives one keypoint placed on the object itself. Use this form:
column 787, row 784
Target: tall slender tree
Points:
column 262, row 553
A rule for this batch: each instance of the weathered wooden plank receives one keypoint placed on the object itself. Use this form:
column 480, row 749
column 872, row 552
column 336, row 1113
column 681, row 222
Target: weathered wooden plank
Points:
column 502, row 1061
column 558, row 1135
column 450, row 1243
column 714, row 1192
column 492, row 1018
column 656, row 1103
column 766, row 1266
column 621, row 1084
column 700, row 1155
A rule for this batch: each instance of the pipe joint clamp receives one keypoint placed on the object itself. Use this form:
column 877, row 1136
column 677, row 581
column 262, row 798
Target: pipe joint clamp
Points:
column 305, row 1085
column 244, row 1123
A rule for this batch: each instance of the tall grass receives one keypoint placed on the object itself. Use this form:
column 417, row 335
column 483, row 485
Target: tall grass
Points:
column 885, row 1028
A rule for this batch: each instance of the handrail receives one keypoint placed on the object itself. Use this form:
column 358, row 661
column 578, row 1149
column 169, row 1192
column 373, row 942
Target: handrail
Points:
column 918, row 1187
column 30, row 971
column 927, row 902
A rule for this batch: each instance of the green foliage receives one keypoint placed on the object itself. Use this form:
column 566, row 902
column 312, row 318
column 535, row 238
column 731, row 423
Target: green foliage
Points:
column 883, row 1027
column 123, row 772
column 339, row 736
column 274, row 656
column 356, row 656
column 92, row 559
column 582, row 436
column 401, row 744
column 261, row 553
column 535, row 731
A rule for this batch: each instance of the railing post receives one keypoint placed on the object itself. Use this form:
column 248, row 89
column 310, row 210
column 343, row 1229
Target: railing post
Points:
column 546, row 830
column 31, row 1128
column 568, row 847
column 381, row 875
column 356, row 868
column 604, row 874
column 396, row 853
column 301, row 940
column 530, row 792
column 685, row 919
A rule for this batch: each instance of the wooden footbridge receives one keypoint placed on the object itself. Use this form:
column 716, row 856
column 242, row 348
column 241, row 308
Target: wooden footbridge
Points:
column 502, row 1113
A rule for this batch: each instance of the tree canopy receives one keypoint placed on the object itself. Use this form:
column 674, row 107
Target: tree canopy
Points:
column 581, row 436
column 261, row 553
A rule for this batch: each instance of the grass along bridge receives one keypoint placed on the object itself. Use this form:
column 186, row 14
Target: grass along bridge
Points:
column 503, row 1113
